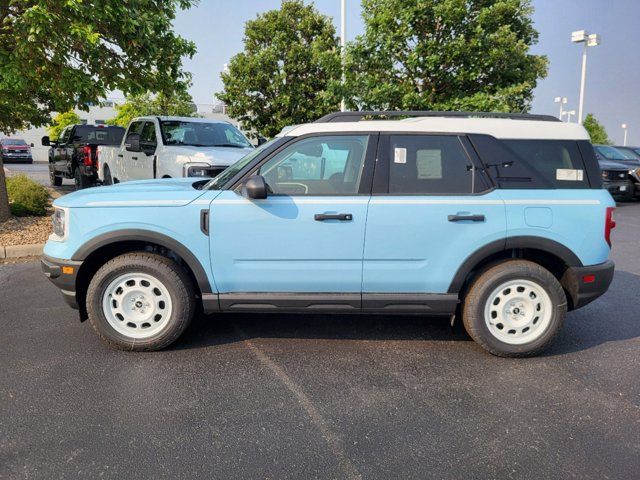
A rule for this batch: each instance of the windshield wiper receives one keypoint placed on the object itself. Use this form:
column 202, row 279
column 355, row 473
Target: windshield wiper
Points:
column 233, row 145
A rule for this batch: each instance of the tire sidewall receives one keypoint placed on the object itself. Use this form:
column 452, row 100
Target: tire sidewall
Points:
column 516, row 271
column 182, row 308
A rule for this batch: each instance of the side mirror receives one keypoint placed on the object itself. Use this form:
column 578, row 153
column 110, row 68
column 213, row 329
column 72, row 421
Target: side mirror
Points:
column 132, row 143
column 261, row 141
column 46, row 142
column 255, row 188
column 32, row 145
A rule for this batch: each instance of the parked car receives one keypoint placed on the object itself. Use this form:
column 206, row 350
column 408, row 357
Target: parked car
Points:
column 14, row 150
column 618, row 169
column 74, row 154
column 634, row 166
column 501, row 221
column 172, row 147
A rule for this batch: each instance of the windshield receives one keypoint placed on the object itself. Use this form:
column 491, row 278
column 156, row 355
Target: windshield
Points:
column 611, row 153
column 202, row 134
column 233, row 170
column 8, row 141
column 629, row 153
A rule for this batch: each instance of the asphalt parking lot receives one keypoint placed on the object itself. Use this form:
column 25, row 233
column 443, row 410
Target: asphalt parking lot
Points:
column 40, row 173
column 258, row 396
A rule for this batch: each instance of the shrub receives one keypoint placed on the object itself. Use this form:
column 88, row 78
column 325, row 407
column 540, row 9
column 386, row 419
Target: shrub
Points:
column 27, row 197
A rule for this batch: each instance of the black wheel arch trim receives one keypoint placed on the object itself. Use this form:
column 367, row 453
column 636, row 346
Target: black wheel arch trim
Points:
column 139, row 235
column 505, row 244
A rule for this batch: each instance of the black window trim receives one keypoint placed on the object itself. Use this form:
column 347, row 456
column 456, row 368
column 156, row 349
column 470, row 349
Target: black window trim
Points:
column 382, row 172
column 367, row 173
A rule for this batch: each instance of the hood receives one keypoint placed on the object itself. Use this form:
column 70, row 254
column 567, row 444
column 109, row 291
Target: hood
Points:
column 609, row 165
column 223, row 156
column 143, row 193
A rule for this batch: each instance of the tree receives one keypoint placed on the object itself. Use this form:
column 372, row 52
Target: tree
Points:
column 444, row 55
column 596, row 130
column 178, row 104
column 60, row 122
column 56, row 56
column 288, row 73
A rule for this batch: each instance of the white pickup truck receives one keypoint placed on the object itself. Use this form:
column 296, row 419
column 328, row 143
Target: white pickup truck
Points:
column 170, row 147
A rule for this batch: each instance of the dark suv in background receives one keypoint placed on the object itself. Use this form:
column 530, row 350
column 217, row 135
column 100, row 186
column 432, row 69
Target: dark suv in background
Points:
column 620, row 170
column 75, row 153
column 15, row 150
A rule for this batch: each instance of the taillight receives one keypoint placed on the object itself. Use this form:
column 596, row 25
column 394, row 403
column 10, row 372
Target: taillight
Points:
column 88, row 161
column 609, row 224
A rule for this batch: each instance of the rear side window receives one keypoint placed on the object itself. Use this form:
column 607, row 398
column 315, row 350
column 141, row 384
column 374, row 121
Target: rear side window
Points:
column 428, row 165
column 98, row 135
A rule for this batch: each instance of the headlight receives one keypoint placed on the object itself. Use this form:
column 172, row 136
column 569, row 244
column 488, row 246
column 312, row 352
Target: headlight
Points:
column 59, row 220
column 197, row 170
column 605, row 174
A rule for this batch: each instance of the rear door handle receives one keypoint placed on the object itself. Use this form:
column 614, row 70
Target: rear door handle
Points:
column 344, row 217
column 466, row 218
column 120, row 155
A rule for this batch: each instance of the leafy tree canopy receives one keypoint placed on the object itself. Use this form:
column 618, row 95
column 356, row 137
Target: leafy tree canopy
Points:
column 178, row 104
column 596, row 130
column 58, row 55
column 60, row 122
column 288, row 73
column 444, row 55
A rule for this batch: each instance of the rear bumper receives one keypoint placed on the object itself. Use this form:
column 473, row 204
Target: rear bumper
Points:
column 63, row 278
column 585, row 284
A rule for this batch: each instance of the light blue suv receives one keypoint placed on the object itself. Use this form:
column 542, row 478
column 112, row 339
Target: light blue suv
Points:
column 498, row 219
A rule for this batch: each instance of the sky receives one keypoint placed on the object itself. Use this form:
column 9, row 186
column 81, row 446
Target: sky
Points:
column 613, row 67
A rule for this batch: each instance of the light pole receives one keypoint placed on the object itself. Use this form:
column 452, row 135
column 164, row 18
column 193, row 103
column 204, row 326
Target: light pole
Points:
column 624, row 127
column 589, row 40
column 562, row 101
column 569, row 114
column 343, row 46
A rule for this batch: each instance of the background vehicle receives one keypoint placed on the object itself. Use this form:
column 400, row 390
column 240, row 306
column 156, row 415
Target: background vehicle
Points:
column 500, row 221
column 619, row 171
column 74, row 154
column 171, row 147
column 15, row 150
column 634, row 166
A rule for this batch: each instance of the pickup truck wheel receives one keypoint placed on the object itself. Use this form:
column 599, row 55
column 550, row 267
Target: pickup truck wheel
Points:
column 55, row 180
column 140, row 301
column 80, row 180
column 514, row 309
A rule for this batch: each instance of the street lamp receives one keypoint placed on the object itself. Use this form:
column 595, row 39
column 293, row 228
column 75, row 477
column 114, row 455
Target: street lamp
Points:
column 562, row 101
column 343, row 46
column 569, row 114
column 589, row 40
column 624, row 127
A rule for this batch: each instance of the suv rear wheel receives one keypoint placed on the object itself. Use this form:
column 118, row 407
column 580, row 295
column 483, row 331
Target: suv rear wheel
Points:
column 140, row 301
column 514, row 309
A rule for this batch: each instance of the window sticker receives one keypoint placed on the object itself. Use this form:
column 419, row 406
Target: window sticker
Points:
column 429, row 164
column 400, row 155
column 569, row 174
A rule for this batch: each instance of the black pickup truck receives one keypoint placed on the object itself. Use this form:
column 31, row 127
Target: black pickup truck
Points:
column 75, row 153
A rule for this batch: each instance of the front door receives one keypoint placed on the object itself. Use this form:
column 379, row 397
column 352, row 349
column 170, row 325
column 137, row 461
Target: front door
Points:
column 307, row 235
column 434, row 208
column 128, row 168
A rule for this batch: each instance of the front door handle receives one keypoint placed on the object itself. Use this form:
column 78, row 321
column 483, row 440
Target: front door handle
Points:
column 134, row 158
column 344, row 217
column 466, row 218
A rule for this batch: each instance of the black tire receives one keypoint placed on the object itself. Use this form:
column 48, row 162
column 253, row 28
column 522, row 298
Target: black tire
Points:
column 483, row 287
column 108, row 180
column 56, row 181
column 171, row 275
column 81, row 181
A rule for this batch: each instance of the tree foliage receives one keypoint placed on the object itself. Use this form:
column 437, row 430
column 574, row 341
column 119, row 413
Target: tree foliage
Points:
column 58, row 55
column 596, row 130
column 60, row 122
column 444, row 55
column 288, row 72
column 177, row 104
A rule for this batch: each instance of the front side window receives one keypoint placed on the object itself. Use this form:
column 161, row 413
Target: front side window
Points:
column 429, row 165
column 202, row 134
column 328, row 165
column 135, row 127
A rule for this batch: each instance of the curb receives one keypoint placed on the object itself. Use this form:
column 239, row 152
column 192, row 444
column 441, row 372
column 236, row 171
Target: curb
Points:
column 17, row 251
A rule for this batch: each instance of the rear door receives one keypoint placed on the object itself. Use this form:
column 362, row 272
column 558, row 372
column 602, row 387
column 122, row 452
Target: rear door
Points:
column 307, row 235
column 432, row 207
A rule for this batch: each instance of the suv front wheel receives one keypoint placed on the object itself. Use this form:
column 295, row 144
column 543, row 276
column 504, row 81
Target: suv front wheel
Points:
column 514, row 309
column 140, row 301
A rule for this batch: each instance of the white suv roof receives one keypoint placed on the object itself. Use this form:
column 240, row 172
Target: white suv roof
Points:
column 504, row 128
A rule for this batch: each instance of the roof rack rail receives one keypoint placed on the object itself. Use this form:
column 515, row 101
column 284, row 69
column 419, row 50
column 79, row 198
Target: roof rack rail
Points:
column 357, row 116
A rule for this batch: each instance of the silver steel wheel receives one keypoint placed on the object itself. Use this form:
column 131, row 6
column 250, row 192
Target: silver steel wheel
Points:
column 518, row 312
column 137, row 305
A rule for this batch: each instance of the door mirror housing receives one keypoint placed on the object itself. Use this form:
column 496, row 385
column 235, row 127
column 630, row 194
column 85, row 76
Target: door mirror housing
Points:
column 132, row 143
column 31, row 145
column 46, row 141
column 255, row 188
column 261, row 140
